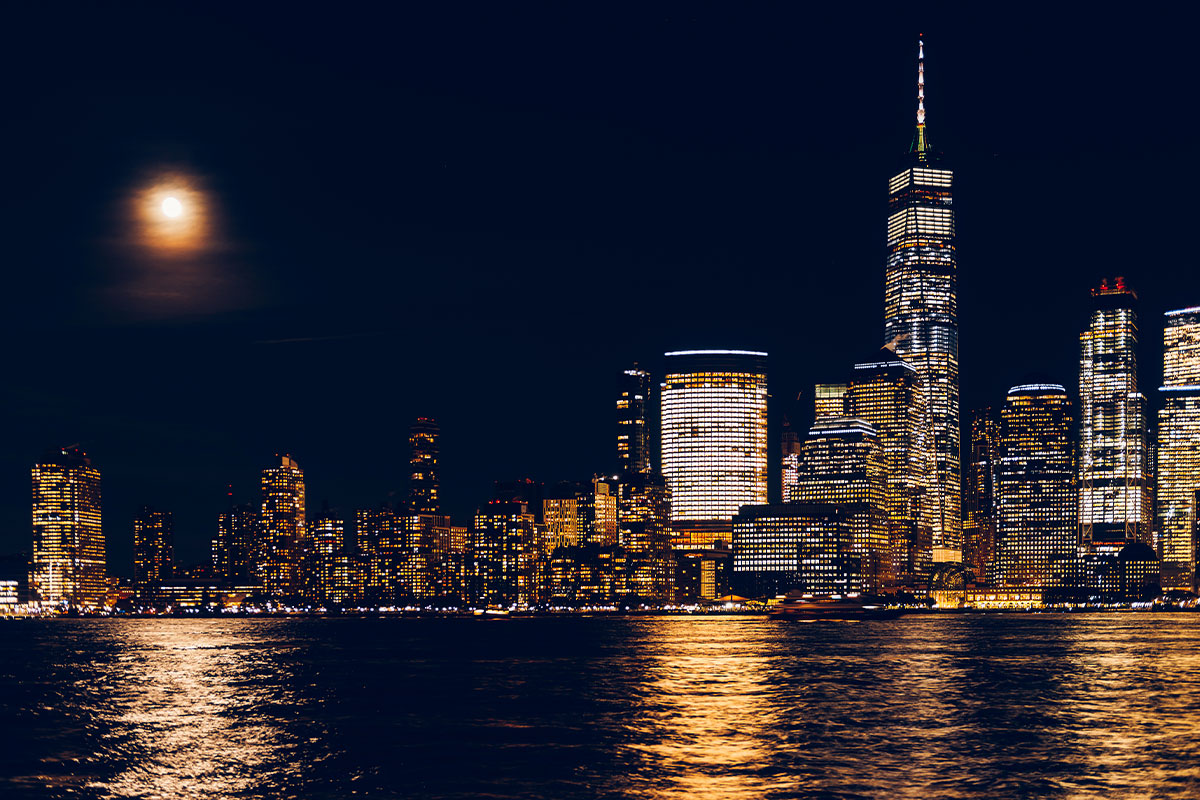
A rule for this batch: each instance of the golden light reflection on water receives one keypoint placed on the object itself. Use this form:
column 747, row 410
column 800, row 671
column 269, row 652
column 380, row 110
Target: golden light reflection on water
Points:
column 188, row 709
column 1125, row 725
column 707, row 728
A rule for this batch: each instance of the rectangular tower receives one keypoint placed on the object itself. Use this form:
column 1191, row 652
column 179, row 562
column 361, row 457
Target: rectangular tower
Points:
column 68, row 562
column 921, row 311
column 1114, row 488
column 633, row 435
column 1179, row 448
column 714, row 440
column 153, row 546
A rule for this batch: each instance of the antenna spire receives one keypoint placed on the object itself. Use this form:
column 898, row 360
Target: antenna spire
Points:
column 920, row 146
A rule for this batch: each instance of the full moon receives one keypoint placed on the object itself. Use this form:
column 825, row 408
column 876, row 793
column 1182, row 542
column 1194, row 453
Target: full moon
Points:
column 171, row 207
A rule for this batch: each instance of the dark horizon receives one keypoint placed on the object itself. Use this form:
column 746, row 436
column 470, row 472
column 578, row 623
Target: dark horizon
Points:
column 483, row 214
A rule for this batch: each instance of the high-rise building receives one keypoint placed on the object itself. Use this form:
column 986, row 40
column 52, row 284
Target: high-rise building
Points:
column 714, row 440
column 829, row 400
column 644, row 511
column 1178, row 474
column 153, row 546
column 841, row 464
column 885, row 392
column 283, row 528
column 789, row 458
column 979, row 492
column 379, row 535
column 1114, row 489
column 921, row 311
column 423, row 473
column 633, row 435
column 582, row 512
column 233, row 546
column 504, row 554
column 426, row 544
column 68, row 562
column 1036, row 533
column 806, row 546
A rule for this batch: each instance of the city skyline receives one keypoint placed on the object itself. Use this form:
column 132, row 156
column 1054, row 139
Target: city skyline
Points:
column 175, row 430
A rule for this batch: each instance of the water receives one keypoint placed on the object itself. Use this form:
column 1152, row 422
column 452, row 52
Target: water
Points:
column 699, row 707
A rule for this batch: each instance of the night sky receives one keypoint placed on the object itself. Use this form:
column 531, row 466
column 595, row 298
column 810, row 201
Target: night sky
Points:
column 482, row 213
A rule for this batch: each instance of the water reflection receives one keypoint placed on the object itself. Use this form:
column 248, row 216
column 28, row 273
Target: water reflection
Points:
column 707, row 728
column 196, row 714
column 996, row 706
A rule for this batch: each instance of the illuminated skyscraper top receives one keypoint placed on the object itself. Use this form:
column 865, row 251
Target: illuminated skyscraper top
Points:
column 920, row 146
column 1114, row 501
column 68, row 560
column 921, row 309
column 714, row 440
column 423, row 475
column 281, row 515
column 633, row 435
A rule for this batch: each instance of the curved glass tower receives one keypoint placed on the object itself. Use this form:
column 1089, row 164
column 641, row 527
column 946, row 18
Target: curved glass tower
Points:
column 714, row 440
column 921, row 310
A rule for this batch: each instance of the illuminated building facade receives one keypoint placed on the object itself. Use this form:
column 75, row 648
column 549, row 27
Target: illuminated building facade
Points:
column 633, row 435
column 842, row 465
column 789, row 458
column 233, row 546
column 153, row 546
column 1114, row 488
column 67, row 566
column 829, row 400
column 885, row 392
column 587, row 575
column 283, row 528
column 714, row 440
column 423, row 466
column 329, row 575
column 379, row 536
column 979, row 492
column 1178, row 474
column 504, row 555
column 582, row 512
column 426, row 544
column 644, row 511
column 921, row 312
column 806, row 546
column 561, row 515
column 1036, row 533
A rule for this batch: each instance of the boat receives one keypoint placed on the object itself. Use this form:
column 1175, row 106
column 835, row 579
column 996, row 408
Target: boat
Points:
column 800, row 605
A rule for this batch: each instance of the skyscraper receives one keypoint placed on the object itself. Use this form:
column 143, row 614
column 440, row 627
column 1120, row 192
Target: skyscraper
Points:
column 1036, row 535
column 841, row 464
column 423, row 474
column 829, row 400
column 1114, row 491
column 885, row 392
column 633, row 435
column 789, row 459
column 68, row 562
column 283, row 528
column 1179, row 448
column 979, row 492
column 714, row 440
column 644, row 511
column 233, row 546
column 921, row 310
column 503, row 552
column 153, row 546
column 793, row 546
